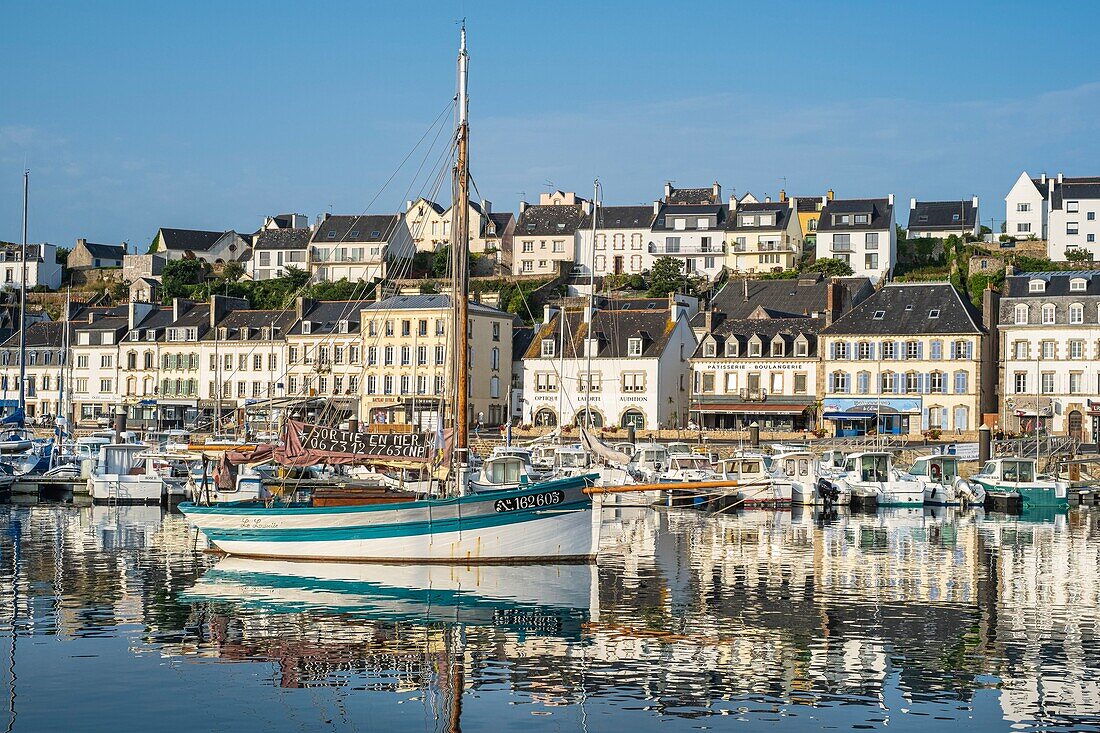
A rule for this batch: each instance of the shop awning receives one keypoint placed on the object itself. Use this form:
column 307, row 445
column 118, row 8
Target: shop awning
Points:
column 752, row 408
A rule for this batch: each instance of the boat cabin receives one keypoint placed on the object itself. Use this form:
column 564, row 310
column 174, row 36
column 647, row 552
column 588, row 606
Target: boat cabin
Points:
column 1009, row 470
column 649, row 457
column 744, row 468
column 938, row 469
column 570, row 457
column 795, row 465
column 870, row 467
column 505, row 470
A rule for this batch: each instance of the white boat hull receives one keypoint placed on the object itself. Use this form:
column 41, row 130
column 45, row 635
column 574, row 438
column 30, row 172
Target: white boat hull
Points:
column 126, row 489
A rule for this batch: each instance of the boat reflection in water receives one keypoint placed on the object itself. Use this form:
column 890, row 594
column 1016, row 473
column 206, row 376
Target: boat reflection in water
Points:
column 902, row 617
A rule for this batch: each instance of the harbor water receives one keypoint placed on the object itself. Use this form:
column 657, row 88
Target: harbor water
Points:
column 118, row 619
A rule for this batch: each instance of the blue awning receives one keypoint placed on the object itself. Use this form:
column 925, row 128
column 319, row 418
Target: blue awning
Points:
column 9, row 403
column 849, row 415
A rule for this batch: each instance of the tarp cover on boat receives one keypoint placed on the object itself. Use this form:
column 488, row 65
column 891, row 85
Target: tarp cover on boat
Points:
column 225, row 472
column 307, row 445
column 592, row 444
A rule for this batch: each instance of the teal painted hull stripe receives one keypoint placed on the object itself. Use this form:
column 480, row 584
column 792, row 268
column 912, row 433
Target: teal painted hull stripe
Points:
column 392, row 530
column 251, row 509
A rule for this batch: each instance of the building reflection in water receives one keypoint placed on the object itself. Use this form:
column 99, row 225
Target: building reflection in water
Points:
column 687, row 615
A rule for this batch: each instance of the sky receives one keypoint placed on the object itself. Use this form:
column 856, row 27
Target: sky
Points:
column 210, row 115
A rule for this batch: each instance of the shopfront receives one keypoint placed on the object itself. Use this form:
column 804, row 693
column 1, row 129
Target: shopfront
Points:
column 771, row 417
column 852, row 417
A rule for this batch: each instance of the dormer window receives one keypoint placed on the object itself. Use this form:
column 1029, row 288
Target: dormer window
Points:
column 223, row 333
column 708, row 348
column 342, row 326
column 547, row 348
column 592, row 347
column 1037, row 286
column 731, row 348
column 801, row 348
column 307, row 327
column 862, row 218
column 845, row 219
column 1078, row 285
column 754, row 348
column 634, row 347
column 777, row 348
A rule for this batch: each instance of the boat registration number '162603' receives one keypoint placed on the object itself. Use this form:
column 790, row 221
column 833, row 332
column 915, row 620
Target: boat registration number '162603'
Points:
column 530, row 501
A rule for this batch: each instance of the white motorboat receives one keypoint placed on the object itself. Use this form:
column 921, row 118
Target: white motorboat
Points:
column 756, row 480
column 872, row 479
column 943, row 486
column 799, row 469
column 124, row 474
column 507, row 468
column 649, row 461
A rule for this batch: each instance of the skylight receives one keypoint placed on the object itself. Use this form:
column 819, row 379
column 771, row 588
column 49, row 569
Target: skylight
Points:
column 879, row 315
column 934, row 313
column 375, row 234
column 908, row 307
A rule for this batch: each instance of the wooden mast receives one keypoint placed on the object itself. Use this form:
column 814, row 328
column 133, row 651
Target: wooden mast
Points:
column 460, row 237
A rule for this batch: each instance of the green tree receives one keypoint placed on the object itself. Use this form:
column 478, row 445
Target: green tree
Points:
column 423, row 264
column 179, row 278
column 233, row 271
column 119, row 290
column 666, row 276
column 1078, row 254
column 441, row 262
column 831, row 267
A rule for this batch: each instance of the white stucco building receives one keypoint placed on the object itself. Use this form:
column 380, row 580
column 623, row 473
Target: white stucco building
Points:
column 361, row 247
column 627, row 363
column 860, row 232
column 688, row 226
column 1050, row 345
column 623, row 238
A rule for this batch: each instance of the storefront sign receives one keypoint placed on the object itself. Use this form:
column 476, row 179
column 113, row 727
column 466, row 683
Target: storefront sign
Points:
column 886, row 405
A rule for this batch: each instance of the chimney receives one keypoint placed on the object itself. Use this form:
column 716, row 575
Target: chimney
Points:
column 830, row 195
column 408, row 206
column 668, row 189
column 656, row 208
column 302, row 306
column 1050, row 188
column 834, row 301
column 974, row 202
column 522, row 207
column 486, row 206
column 912, row 203
column 890, row 198
column 1043, row 178
column 675, row 308
column 548, row 313
column 1010, row 269
column 716, row 189
column 782, row 195
column 586, row 206
column 793, row 203
column 81, row 241
column 1059, row 177
column 733, row 203
column 179, row 307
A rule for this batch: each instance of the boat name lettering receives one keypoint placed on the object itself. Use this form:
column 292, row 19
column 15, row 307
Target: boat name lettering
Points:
column 529, row 501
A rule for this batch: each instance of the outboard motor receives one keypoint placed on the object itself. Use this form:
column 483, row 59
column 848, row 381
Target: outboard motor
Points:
column 828, row 491
column 972, row 493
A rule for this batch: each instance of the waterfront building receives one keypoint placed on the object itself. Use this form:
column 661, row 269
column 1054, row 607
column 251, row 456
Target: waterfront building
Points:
column 96, row 333
column 282, row 243
column 623, row 239
column 44, row 372
column 909, row 359
column 942, row 219
column 860, row 232
column 1049, row 343
column 762, row 236
column 522, row 336
column 362, row 247
column 546, row 233
column 140, row 365
column 757, row 359
column 388, row 361
column 624, row 361
column 490, row 231
column 688, row 225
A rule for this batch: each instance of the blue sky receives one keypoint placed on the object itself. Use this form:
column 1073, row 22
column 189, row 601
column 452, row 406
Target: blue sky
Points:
column 133, row 116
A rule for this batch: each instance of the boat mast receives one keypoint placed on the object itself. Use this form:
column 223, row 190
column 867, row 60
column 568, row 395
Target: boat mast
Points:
column 62, row 414
column 590, row 312
column 459, row 257
column 23, row 307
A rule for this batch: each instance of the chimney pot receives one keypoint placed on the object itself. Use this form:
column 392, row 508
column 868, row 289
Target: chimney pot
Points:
column 668, row 189
column 890, row 198
column 782, row 195
column 830, row 195
column 1059, row 176
column 912, row 203
column 1043, row 178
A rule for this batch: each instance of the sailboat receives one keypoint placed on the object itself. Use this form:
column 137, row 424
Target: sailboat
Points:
column 548, row 520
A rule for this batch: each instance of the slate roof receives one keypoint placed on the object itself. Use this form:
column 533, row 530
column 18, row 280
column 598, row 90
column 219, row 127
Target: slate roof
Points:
column 284, row 238
column 325, row 315
column 539, row 220
column 904, row 309
column 40, row 334
column 192, row 240
column 15, row 251
column 428, row 302
column 365, row 228
column 254, row 320
column 782, row 211
column 613, row 327
column 1016, row 286
column 742, row 331
column 522, row 336
column 938, row 215
column 106, row 251
column 198, row 315
column 781, row 298
column 807, row 203
column 1074, row 191
column 1042, row 187
column 501, row 220
column 661, row 221
column 621, row 217
column 880, row 211
column 691, row 196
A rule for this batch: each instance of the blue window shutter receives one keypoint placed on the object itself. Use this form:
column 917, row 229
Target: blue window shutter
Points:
column 936, row 350
column 926, row 418
column 832, row 357
column 920, row 350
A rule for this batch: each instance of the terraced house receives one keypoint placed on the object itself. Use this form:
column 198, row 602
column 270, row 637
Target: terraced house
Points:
column 1050, row 347
column 757, row 359
column 546, row 233
column 622, row 241
column 688, row 226
column 361, row 247
column 762, row 236
column 910, row 358
column 860, row 232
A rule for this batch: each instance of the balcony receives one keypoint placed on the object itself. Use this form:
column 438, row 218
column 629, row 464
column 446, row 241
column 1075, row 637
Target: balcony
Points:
column 753, row 395
column 841, row 247
column 687, row 249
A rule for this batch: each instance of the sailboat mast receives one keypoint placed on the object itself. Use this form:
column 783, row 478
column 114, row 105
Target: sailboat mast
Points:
column 590, row 312
column 459, row 258
column 23, row 304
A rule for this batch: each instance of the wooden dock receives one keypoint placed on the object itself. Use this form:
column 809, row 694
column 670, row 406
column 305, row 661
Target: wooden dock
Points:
column 37, row 489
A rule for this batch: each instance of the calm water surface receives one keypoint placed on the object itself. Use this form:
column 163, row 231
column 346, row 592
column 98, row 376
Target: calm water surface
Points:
column 115, row 619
